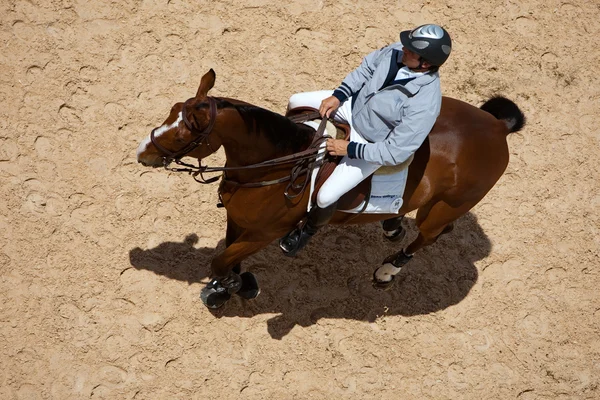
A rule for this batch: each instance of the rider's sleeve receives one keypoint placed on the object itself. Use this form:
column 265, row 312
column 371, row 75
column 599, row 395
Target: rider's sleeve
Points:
column 402, row 142
column 357, row 78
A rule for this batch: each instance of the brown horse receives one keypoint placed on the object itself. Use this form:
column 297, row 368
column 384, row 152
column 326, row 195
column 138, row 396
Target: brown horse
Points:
column 463, row 157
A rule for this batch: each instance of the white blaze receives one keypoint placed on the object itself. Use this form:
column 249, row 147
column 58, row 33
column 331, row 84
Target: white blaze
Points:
column 159, row 131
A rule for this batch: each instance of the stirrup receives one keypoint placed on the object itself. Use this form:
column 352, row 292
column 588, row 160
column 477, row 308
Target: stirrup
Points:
column 295, row 241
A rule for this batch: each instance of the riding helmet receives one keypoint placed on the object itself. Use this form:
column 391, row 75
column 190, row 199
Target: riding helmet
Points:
column 430, row 41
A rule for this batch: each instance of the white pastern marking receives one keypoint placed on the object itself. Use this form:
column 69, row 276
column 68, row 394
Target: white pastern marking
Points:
column 159, row 131
column 390, row 233
column 386, row 271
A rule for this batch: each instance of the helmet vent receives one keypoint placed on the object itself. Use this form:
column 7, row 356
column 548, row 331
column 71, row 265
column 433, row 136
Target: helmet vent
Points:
column 420, row 44
column 428, row 31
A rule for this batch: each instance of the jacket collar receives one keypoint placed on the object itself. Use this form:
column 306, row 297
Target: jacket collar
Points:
column 414, row 85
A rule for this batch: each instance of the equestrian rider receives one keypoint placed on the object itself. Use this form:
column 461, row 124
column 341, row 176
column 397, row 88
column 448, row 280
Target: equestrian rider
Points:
column 391, row 102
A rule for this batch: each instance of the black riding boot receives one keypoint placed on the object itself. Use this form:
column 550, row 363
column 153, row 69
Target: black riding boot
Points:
column 297, row 239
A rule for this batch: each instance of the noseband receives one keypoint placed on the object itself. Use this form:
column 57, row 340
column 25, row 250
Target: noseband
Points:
column 201, row 135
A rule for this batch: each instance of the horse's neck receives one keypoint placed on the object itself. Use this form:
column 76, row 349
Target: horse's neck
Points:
column 270, row 136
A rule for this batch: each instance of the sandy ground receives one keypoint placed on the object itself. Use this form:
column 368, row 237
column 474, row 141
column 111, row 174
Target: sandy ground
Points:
column 102, row 260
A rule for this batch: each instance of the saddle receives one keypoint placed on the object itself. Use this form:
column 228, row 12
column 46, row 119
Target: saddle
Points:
column 355, row 196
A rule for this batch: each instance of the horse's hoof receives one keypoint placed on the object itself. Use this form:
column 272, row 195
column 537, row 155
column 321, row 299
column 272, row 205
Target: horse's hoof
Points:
column 396, row 235
column 249, row 289
column 383, row 286
column 213, row 295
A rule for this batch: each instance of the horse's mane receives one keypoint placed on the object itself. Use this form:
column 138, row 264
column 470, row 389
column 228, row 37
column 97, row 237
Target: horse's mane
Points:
column 279, row 130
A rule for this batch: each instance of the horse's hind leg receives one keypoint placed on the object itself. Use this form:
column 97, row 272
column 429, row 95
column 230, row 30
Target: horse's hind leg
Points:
column 393, row 229
column 433, row 220
column 435, row 223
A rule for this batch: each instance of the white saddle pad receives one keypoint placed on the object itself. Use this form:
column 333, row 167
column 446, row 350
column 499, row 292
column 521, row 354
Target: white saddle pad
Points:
column 387, row 188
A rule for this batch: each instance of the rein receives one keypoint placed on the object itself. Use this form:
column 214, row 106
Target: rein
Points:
column 305, row 160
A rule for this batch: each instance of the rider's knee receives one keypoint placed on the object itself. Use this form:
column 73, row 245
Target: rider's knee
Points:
column 297, row 100
column 325, row 199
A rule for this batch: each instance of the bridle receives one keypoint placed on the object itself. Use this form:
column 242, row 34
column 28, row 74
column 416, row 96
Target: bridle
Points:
column 202, row 135
column 305, row 160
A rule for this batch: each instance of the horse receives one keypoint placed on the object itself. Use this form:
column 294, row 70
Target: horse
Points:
column 456, row 166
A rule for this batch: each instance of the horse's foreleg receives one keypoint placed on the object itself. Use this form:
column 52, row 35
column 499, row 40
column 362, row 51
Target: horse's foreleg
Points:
column 245, row 245
column 233, row 232
column 433, row 220
column 249, row 289
column 226, row 281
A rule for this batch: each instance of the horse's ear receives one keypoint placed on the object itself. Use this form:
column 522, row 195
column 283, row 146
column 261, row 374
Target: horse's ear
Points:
column 206, row 83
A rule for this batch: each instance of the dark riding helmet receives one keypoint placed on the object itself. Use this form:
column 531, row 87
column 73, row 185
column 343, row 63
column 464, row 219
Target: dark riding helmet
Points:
column 431, row 42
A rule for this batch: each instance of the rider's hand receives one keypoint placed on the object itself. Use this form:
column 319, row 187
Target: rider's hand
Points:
column 337, row 147
column 328, row 106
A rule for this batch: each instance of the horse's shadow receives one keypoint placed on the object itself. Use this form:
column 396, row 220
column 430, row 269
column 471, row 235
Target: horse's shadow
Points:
column 332, row 279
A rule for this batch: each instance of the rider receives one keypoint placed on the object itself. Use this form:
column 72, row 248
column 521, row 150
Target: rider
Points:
column 391, row 102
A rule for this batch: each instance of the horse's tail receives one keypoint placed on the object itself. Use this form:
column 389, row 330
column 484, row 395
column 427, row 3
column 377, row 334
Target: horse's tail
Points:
column 507, row 111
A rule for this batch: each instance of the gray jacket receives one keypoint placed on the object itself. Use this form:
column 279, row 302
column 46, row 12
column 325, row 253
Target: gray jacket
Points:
column 395, row 117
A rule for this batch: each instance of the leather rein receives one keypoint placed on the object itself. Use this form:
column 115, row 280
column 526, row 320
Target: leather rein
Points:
column 305, row 160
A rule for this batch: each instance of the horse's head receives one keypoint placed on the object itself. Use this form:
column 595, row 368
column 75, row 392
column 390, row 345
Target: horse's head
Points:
column 185, row 132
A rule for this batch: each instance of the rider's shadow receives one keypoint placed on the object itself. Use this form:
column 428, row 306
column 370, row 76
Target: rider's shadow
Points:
column 332, row 279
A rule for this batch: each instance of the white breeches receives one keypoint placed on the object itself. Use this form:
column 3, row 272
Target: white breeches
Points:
column 349, row 172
